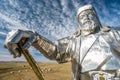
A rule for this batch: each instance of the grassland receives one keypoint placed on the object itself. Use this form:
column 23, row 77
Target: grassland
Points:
column 22, row 71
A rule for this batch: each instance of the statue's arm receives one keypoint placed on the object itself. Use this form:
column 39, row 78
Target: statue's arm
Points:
column 49, row 49
column 54, row 51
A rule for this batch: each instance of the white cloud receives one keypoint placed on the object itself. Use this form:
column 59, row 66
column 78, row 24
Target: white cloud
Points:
column 16, row 24
column 13, row 3
column 3, row 33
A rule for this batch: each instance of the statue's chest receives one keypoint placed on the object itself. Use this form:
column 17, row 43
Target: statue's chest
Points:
column 94, row 47
column 91, row 51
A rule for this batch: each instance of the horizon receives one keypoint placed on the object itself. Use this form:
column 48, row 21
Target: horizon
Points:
column 52, row 19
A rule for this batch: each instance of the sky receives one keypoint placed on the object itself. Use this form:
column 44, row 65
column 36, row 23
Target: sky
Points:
column 53, row 19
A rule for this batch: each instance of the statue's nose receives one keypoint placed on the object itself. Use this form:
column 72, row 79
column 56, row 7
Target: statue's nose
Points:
column 86, row 17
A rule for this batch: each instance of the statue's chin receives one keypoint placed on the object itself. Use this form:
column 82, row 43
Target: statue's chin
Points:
column 90, row 28
column 87, row 32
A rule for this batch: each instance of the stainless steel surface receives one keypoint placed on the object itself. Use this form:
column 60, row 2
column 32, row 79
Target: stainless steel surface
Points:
column 32, row 63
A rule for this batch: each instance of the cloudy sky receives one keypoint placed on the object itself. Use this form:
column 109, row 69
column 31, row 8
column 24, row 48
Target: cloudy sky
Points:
column 53, row 19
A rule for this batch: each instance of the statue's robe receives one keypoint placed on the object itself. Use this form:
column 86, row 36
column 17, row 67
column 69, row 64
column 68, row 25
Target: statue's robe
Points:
column 94, row 52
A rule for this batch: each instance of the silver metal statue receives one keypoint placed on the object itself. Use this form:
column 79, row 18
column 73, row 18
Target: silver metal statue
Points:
column 94, row 50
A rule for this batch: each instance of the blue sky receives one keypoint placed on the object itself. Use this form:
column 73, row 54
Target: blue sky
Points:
column 53, row 19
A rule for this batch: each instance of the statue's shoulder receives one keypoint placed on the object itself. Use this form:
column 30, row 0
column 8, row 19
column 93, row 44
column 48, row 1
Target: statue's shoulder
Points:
column 111, row 29
column 110, row 32
column 105, row 29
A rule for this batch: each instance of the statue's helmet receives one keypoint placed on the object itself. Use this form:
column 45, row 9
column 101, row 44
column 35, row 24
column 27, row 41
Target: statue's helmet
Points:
column 87, row 18
column 84, row 8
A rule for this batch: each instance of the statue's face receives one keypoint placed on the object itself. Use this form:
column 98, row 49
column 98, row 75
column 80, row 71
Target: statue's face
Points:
column 88, row 20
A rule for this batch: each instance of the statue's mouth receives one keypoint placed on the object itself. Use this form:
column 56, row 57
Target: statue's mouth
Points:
column 87, row 22
column 88, row 30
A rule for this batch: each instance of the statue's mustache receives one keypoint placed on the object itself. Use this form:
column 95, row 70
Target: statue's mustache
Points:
column 89, row 25
column 86, row 22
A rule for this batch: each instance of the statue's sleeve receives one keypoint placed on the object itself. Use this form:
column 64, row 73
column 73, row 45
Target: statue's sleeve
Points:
column 114, row 42
column 64, row 48
column 58, row 50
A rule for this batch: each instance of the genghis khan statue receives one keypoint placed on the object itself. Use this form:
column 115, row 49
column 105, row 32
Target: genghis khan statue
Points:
column 94, row 50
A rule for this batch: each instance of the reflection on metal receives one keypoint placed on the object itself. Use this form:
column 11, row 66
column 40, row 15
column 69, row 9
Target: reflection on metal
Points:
column 104, row 62
column 31, row 62
column 101, row 76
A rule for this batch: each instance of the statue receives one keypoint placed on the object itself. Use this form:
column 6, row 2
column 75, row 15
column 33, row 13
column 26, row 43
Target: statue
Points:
column 93, row 49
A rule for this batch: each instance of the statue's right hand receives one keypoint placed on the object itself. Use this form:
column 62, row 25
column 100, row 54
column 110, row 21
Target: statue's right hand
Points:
column 15, row 37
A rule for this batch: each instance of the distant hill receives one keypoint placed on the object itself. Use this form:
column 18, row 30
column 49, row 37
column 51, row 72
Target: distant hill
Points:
column 12, row 61
column 15, row 62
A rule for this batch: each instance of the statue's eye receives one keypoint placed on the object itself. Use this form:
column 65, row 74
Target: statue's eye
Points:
column 82, row 16
column 91, row 15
